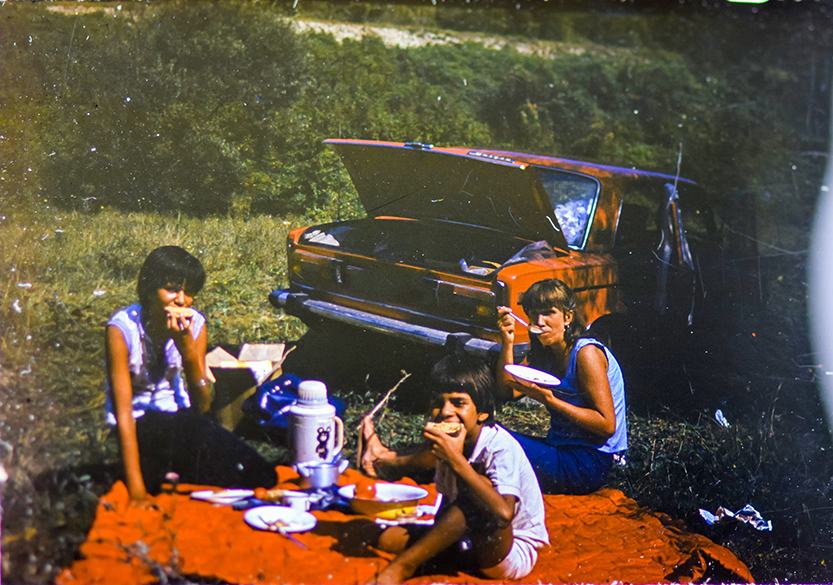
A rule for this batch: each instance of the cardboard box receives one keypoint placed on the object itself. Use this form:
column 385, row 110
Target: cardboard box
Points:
column 237, row 378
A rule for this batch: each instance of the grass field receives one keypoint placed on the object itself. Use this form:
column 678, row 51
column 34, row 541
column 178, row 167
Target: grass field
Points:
column 63, row 275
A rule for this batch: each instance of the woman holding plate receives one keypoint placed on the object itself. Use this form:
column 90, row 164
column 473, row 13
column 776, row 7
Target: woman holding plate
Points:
column 588, row 422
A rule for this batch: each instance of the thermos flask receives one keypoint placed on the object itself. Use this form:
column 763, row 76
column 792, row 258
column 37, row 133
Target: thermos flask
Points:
column 317, row 433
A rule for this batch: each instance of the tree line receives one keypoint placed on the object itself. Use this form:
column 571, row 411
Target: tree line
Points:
column 213, row 108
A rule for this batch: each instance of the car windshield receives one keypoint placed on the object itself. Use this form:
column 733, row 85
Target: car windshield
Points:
column 573, row 198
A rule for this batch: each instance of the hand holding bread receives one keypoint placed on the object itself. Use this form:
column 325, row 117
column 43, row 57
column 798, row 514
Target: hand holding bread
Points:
column 446, row 439
column 451, row 428
column 179, row 318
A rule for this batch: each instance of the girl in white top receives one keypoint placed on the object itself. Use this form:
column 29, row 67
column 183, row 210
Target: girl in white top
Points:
column 157, row 390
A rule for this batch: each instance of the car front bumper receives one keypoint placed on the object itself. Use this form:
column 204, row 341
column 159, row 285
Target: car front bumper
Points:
column 302, row 306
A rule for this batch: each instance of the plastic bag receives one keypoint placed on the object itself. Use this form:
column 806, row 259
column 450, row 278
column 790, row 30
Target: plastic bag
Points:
column 271, row 401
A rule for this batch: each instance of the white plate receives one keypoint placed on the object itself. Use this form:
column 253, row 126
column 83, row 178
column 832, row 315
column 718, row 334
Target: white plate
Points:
column 528, row 374
column 293, row 520
column 387, row 492
column 223, row 496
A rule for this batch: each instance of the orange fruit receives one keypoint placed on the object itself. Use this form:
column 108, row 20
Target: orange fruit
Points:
column 366, row 489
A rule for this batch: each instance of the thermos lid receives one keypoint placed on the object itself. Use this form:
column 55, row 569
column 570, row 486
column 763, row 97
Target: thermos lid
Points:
column 312, row 392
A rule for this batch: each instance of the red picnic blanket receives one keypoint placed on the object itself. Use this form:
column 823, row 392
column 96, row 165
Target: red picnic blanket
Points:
column 598, row 538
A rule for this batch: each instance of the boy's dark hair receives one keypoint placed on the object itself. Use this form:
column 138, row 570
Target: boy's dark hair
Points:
column 170, row 267
column 465, row 373
column 546, row 294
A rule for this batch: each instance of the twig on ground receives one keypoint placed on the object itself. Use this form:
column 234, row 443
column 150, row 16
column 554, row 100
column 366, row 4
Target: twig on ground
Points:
column 373, row 411
column 383, row 401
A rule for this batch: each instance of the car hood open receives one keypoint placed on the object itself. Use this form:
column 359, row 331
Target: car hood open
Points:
column 469, row 186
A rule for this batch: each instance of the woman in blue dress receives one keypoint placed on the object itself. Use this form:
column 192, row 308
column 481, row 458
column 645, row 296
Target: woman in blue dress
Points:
column 588, row 423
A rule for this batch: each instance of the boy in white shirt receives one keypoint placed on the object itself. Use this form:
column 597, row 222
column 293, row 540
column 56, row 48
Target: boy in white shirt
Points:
column 492, row 496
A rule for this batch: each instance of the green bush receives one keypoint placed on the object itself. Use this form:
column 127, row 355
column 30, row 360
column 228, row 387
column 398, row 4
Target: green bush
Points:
column 158, row 107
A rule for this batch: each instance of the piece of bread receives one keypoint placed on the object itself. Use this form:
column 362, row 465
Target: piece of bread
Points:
column 448, row 427
column 180, row 311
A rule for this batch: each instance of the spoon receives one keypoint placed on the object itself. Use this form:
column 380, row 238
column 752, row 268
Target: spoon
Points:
column 534, row 329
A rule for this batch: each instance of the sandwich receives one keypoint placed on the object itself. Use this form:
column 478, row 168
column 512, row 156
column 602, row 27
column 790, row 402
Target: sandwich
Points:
column 184, row 312
column 450, row 428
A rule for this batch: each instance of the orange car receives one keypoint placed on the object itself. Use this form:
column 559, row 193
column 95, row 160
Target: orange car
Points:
column 452, row 233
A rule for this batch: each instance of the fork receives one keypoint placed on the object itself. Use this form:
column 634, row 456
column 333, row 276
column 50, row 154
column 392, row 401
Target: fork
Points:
column 276, row 527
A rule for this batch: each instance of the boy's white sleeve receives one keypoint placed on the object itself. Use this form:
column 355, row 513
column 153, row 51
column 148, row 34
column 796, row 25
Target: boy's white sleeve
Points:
column 504, row 473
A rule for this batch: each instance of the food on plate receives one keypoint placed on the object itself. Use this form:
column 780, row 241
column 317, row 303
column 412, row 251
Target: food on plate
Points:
column 222, row 497
column 398, row 513
column 366, row 489
column 527, row 374
column 450, row 428
column 273, row 495
column 388, row 496
column 279, row 519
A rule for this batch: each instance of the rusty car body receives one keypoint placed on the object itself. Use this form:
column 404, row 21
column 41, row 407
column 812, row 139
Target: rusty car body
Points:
column 452, row 233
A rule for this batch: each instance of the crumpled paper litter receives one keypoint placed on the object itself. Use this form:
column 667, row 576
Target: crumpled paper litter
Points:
column 748, row 515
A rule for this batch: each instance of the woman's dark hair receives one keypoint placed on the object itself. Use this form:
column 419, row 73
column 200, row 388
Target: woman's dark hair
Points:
column 464, row 373
column 546, row 294
column 170, row 267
